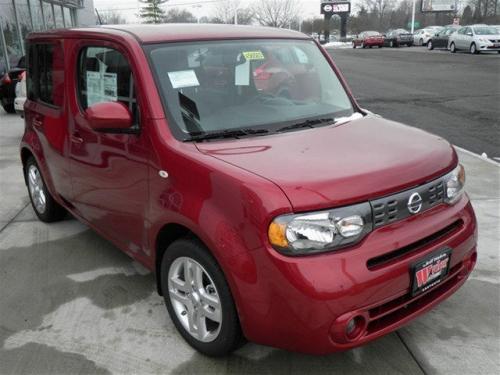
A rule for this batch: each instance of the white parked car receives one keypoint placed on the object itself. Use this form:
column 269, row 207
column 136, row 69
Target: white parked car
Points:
column 475, row 39
column 20, row 95
column 421, row 37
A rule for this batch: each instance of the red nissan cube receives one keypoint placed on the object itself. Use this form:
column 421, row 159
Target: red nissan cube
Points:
column 234, row 163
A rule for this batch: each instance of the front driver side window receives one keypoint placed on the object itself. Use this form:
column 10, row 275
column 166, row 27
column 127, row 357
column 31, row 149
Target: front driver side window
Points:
column 104, row 75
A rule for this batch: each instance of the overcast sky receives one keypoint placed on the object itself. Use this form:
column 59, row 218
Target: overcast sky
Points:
column 129, row 8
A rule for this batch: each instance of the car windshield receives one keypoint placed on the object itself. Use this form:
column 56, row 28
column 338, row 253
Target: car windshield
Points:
column 485, row 30
column 401, row 31
column 254, row 86
column 372, row 33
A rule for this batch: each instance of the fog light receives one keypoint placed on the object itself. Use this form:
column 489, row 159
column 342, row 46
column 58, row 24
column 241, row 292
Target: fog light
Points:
column 351, row 326
column 354, row 327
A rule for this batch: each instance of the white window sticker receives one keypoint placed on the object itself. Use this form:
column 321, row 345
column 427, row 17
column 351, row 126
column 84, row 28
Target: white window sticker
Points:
column 110, row 86
column 101, row 87
column 183, row 78
column 242, row 74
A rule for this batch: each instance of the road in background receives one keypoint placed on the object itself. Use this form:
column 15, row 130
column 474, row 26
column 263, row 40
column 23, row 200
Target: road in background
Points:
column 456, row 96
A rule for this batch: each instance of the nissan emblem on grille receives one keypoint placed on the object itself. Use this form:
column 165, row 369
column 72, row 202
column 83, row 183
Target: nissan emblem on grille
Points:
column 415, row 203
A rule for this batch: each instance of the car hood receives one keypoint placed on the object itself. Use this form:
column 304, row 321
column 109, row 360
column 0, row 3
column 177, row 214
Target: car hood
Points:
column 340, row 164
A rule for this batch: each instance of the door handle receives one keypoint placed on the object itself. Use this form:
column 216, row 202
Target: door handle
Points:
column 75, row 138
column 37, row 121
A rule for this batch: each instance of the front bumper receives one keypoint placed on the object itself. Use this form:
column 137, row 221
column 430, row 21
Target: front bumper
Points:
column 488, row 47
column 304, row 303
column 19, row 104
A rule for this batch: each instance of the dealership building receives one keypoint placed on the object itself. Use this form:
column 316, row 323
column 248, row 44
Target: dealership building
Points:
column 20, row 17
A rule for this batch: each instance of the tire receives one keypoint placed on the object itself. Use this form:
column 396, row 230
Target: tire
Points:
column 430, row 47
column 363, row 45
column 473, row 49
column 370, row 46
column 9, row 108
column 221, row 338
column 453, row 49
column 44, row 205
column 391, row 44
column 353, row 45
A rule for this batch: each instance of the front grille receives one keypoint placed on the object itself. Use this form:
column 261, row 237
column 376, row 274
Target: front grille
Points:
column 384, row 259
column 395, row 207
column 385, row 315
column 495, row 40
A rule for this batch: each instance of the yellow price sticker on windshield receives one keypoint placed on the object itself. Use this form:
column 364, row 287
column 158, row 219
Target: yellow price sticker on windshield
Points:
column 253, row 55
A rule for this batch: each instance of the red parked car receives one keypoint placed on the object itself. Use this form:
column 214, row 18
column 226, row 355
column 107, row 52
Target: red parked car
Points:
column 368, row 39
column 302, row 223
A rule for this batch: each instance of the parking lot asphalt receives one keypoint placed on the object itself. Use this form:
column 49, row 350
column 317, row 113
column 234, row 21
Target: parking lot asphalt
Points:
column 70, row 302
column 456, row 95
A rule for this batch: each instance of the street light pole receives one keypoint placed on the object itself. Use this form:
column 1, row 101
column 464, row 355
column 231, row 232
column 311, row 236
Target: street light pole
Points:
column 197, row 6
column 413, row 18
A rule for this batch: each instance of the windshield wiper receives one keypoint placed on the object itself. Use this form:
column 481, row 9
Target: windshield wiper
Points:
column 306, row 124
column 228, row 133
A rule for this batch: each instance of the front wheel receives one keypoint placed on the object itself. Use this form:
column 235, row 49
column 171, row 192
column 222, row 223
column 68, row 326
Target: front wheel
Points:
column 198, row 298
column 363, row 45
column 453, row 49
column 473, row 49
column 9, row 108
column 46, row 208
column 430, row 47
column 353, row 45
column 391, row 44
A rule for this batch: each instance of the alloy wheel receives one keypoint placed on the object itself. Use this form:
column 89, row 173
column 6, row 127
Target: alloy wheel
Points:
column 36, row 187
column 195, row 299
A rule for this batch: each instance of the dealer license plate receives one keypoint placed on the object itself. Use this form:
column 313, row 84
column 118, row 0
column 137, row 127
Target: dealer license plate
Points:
column 430, row 271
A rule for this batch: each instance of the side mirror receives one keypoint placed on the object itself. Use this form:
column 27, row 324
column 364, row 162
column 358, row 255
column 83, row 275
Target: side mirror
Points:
column 110, row 117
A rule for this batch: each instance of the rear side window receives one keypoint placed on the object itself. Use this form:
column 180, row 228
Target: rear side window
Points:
column 104, row 75
column 45, row 80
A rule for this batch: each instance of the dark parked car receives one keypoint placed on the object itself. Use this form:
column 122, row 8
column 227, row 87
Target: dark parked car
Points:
column 8, row 82
column 368, row 39
column 440, row 39
column 300, row 222
column 398, row 37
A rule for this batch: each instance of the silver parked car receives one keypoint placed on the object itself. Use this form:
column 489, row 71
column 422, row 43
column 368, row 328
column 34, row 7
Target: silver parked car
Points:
column 475, row 39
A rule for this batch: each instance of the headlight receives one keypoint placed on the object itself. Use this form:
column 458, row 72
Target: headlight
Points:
column 454, row 183
column 482, row 40
column 320, row 231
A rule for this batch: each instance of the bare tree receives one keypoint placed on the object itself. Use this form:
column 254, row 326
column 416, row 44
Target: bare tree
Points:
column 112, row 17
column 380, row 8
column 277, row 13
column 225, row 10
column 176, row 15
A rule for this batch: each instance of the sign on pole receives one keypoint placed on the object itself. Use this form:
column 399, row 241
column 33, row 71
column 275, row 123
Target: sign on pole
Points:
column 341, row 7
column 439, row 6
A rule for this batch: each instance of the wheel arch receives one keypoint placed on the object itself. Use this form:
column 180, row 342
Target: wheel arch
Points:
column 25, row 155
column 167, row 235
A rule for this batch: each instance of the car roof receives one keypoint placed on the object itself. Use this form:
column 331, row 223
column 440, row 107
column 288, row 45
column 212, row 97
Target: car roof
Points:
column 171, row 32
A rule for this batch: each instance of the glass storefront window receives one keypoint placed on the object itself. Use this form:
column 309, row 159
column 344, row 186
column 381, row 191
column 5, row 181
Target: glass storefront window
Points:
column 36, row 13
column 48, row 15
column 58, row 16
column 10, row 33
column 3, row 61
column 23, row 16
column 67, row 17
